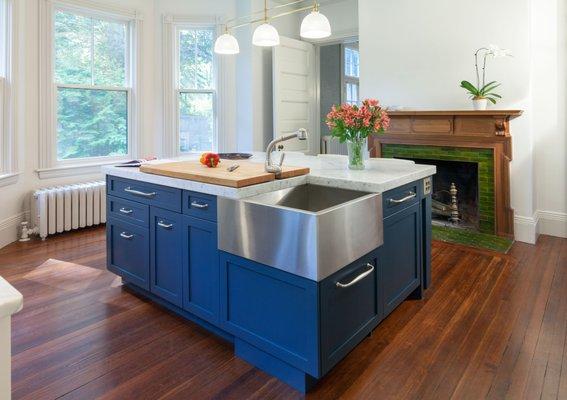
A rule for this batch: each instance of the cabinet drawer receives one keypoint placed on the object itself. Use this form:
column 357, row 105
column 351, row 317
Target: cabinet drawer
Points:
column 397, row 199
column 130, row 211
column 146, row 193
column 200, row 205
column 128, row 252
column 350, row 308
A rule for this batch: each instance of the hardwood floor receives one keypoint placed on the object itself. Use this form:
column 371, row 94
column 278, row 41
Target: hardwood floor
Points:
column 492, row 326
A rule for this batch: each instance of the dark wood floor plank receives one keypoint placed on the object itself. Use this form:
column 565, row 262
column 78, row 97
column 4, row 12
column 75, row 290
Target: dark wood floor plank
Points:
column 491, row 326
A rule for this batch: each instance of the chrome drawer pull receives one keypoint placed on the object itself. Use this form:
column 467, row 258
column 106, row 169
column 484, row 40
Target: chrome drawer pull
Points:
column 410, row 196
column 164, row 225
column 126, row 236
column 199, row 205
column 138, row 193
column 358, row 278
column 126, row 211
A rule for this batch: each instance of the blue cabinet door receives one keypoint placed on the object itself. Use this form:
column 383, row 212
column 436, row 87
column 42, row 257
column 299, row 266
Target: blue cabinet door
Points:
column 272, row 310
column 351, row 308
column 166, row 255
column 200, row 268
column 400, row 257
column 128, row 251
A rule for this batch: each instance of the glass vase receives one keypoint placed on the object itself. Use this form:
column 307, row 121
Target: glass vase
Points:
column 356, row 153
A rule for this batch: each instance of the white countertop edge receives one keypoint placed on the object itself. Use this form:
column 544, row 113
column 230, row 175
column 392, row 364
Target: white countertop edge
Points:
column 380, row 176
column 11, row 301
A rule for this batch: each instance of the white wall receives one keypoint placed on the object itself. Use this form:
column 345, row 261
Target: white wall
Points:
column 254, row 83
column 14, row 199
column 549, row 106
column 414, row 54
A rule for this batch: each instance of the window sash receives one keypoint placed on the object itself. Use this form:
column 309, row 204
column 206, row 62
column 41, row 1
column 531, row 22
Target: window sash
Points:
column 213, row 93
column 127, row 88
column 80, row 160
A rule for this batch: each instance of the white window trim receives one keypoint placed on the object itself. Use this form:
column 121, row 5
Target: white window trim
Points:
column 8, row 157
column 347, row 78
column 49, row 165
column 222, row 91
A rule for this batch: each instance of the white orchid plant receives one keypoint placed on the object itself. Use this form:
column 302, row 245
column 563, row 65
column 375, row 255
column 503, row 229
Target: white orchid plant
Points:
column 484, row 90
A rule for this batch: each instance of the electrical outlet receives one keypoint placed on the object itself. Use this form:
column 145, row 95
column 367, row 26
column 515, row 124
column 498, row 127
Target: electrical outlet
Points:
column 427, row 186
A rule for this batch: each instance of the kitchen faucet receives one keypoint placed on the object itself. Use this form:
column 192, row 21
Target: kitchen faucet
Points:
column 301, row 134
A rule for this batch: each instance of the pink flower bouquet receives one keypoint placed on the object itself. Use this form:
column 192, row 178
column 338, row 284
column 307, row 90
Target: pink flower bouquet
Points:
column 353, row 124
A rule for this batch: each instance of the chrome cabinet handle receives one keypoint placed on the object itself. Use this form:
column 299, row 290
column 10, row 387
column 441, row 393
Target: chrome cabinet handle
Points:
column 126, row 211
column 199, row 205
column 126, row 236
column 138, row 193
column 410, row 196
column 358, row 278
column 164, row 225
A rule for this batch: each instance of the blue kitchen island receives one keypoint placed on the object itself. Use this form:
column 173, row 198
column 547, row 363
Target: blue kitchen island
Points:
column 290, row 310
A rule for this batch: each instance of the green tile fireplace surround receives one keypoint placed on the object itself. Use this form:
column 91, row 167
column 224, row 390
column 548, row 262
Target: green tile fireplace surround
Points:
column 484, row 159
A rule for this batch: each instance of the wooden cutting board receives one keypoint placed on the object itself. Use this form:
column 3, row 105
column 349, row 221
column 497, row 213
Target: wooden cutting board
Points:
column 247, row 174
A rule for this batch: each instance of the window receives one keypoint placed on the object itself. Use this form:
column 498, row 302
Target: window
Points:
column 92, row 86
column 351, row 76
column 89, row 71
column 196, row 86
column 7, row 159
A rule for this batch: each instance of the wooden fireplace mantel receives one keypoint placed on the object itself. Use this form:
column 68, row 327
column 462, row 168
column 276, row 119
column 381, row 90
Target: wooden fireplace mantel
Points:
column 460, row 128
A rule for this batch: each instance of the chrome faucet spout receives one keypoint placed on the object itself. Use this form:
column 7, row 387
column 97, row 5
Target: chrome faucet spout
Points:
column 301, row 134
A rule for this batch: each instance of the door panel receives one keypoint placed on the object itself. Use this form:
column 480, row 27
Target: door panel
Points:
column 400, row 256
column 200, row 268
column 166, row 255
column 294, row 93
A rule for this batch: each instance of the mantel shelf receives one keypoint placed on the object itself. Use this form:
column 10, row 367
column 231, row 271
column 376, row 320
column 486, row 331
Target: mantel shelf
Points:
column 484, row 113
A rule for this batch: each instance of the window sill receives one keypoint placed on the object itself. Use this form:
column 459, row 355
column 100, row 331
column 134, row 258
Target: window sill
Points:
column 74, row 169
column 8, row 179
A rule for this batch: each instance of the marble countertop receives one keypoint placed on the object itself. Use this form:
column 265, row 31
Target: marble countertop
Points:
column 11, row 301
column 380, row 175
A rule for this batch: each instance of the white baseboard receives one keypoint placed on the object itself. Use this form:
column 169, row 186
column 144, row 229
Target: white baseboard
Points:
column 525, row 228
column 552, row 223
column 9, row 228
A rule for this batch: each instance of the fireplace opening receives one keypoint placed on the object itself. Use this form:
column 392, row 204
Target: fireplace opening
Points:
column 455, row 193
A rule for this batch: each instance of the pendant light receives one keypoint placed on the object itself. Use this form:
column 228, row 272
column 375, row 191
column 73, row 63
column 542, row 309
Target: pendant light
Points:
column 226, row 44
column 266, row 35
column 315, row 25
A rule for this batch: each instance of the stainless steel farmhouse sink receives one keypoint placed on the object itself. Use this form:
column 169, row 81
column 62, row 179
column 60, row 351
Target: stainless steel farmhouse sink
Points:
column 308, row 230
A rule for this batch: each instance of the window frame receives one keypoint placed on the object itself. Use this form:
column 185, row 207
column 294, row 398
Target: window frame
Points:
column 345, row 78
column 8, row 153
column 223, row 107
column 50, row 165
column 179, row 91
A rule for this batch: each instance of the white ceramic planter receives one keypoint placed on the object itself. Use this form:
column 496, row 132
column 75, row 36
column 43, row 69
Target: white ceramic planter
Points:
column 480, row 104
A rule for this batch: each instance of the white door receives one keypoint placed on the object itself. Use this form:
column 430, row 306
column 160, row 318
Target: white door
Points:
column 294, row 90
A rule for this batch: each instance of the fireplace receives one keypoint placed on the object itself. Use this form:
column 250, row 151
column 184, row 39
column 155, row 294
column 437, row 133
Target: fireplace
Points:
column 471, row 149
column 455, row 193
column 472, row 173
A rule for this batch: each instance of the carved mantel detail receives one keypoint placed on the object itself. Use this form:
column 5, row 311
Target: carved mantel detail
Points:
column 468, row 129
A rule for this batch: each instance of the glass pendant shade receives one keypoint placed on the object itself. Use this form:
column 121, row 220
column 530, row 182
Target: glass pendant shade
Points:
column 265, row 35
column 226, row 44
column 315, row 26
